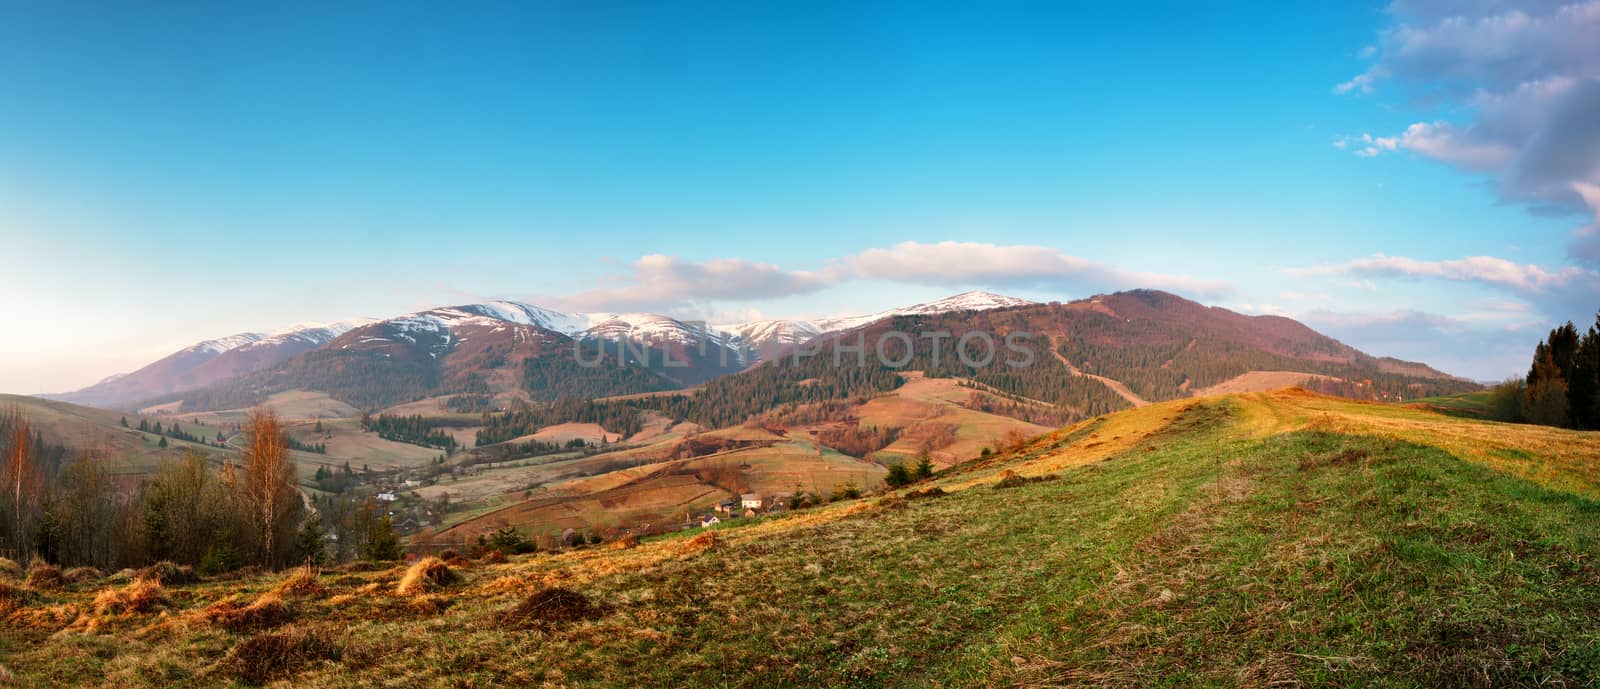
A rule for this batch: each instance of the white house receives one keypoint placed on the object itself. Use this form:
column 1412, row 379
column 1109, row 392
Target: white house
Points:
column 388, row 497
column 709, row 521
column 750, row 501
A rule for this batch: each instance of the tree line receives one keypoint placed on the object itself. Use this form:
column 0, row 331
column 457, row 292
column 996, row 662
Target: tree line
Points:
column 195, row 510
column 415, row 429
column 1562, row 387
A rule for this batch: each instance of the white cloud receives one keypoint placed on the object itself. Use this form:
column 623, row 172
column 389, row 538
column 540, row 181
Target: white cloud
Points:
column 1527, row 78
column 974, row 263
column 668, row 283
column 1563, row 293
column 1488, row 269
column 675, row 285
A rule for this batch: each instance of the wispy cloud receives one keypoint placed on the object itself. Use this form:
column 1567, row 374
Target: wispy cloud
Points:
column 1484, row 351
column 673, row 284
column 1522, row 278
column 667, row 283
column 1569, row 292
column 974, row 263
column 1528, row 77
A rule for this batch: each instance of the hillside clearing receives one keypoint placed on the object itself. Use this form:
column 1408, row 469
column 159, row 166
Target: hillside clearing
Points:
column 1259, row 540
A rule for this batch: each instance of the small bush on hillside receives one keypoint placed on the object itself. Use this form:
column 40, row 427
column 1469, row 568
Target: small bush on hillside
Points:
column 9, row 569
column 898, row 475
column 220, row 559
column 934, row 492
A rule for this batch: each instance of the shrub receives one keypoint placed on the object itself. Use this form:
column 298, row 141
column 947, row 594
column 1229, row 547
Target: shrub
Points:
column 627, row 541
column 897, row 476
column 80, row 575
column 429, row 574
column 9, row 569
column 550, row 608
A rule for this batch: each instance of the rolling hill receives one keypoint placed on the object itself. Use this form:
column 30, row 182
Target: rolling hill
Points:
column 1282, row 539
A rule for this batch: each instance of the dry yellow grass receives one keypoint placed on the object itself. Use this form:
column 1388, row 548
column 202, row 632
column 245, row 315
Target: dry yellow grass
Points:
column 1553, row 457
column 302, row 581
column 427, row 575
column 143, row 596
column 264, row 612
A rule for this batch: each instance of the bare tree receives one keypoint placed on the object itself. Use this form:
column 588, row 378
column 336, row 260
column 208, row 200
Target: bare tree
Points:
column 268, row 481
column 21, row 477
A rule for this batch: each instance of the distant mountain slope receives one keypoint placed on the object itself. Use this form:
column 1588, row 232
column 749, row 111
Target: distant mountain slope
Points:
column 678, row 353
column 768, row 338
column 205, row 363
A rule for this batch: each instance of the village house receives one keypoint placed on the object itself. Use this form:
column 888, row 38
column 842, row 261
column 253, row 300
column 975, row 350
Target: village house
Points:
column 388, row 497
column 750, row 501
column 726, row 506
column 709, row 521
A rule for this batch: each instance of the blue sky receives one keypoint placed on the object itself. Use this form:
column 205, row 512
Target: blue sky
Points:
column 173, row 173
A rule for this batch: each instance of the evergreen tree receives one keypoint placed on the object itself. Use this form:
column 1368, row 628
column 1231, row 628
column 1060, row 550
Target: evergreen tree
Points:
column 162, row 443
column 924, row 465
column 1546, row 401
column 383, row 545
column 311, row 541
column 124, row 422
column 897, row 476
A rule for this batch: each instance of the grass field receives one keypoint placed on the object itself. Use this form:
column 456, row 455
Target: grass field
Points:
column 1269, row 539
column 1470, row 404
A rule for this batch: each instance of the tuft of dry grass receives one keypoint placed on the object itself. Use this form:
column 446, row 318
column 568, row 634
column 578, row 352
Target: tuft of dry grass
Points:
column 934, row 492
column 168, row 573
column 12, row 598
column 301, row 582
column 626, row 542
column 43, row 576
column 82, row 575
column 143, row 596
column 265, row 612
column 6, row 677
column 457, row 562
column 430, row 603
column 429, row 574
column 703, row 541
column 551, row 608
column 493, row 557
column 9, row 569
column 505, row 584
column 279, row 654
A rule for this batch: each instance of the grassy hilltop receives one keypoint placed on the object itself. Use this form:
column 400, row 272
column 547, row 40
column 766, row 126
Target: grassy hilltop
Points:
column 1269, row 539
